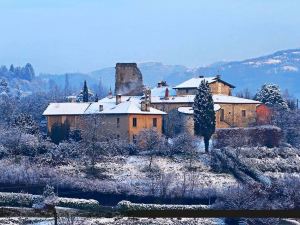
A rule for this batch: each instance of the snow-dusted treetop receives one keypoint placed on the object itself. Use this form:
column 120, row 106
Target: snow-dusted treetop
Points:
column 270, row 95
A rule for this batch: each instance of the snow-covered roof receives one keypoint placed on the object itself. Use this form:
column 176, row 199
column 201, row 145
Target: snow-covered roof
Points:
column 233, row 99
column 216, row 98
column 190, row 111
column 160, row 91
column 196, row 81
column 124, row 98
column 128, row 105
column 66, row 108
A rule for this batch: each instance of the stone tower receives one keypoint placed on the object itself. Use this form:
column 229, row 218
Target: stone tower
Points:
column 129, row 79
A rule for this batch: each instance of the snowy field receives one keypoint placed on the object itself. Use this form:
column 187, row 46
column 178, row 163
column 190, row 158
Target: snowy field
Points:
column 172, row 173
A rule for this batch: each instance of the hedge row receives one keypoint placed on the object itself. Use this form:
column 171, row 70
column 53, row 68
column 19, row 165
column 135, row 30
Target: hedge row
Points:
column 269, row 136
column 125, row 206
column 27, row 200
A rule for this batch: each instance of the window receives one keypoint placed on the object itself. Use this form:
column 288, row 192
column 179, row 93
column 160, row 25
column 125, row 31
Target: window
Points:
column 134, row 122
column 154, row 122
column 222, row 115
column 243, row 113
column 118, row 122
column 186, row 91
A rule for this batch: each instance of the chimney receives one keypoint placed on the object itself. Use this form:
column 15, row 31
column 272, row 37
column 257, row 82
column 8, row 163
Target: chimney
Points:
column 100, row 108
column 167, row 93
column 148, row 106
column 218, row 77
column 118, row 99
column 201, row 76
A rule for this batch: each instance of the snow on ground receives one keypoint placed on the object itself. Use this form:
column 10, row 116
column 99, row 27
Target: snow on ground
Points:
column 290, row 68
column 131, row 171
column 131, row 174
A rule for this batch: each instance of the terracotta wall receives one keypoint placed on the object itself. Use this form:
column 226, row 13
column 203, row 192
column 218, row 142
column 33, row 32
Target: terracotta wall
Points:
column 264, row 114
column 73, row 121
column 143, row 122
column 123, row 130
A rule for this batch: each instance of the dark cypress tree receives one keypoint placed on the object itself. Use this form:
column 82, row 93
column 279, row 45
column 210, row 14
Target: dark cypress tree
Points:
column 85, row 93
column 204, row 114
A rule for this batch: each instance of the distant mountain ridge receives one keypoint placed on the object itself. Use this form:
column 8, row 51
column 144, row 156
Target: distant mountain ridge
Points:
column 281, row 67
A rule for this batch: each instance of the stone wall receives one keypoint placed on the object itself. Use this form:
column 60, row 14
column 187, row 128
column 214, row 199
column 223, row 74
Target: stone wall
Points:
column 129, row 79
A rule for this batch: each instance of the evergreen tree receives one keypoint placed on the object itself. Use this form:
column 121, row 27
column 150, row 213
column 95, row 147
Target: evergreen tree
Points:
column 27, row 72
column 270, row 95
column 3, row 71
column 12, row 68
column 85, row 93
column 204, row 114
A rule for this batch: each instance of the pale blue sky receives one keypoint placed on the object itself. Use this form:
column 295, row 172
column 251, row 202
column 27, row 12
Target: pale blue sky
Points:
column 59, row 36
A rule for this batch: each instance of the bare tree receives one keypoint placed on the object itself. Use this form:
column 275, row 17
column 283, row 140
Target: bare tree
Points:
column 150, row 141
column 95, row 136
column 185, row 144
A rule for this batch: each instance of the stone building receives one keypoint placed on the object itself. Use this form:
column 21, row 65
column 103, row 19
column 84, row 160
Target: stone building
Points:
column 129, row 80
column 122, row 117
column 217, row 86
column 230, row 111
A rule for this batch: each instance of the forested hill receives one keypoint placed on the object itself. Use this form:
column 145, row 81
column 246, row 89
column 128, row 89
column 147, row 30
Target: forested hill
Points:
column 282, row 68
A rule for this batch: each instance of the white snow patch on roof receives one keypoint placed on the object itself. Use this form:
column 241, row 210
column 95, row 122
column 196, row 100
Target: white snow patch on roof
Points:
column 66, row 108
column 127, row 107
column 195, row 82
column 160, row 91
column 232, row 99
column 216, row 98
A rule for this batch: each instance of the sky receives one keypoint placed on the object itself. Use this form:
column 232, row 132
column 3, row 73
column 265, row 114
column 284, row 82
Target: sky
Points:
column 58, row 36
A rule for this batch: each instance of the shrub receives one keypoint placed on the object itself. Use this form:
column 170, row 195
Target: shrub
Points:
column 59, row 132
column 126, row 206
column 27, row 200
column 269, row 136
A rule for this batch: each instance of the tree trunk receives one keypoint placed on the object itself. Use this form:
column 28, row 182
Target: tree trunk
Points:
column 55, row 216
column 206, row 144
column 150, row 164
